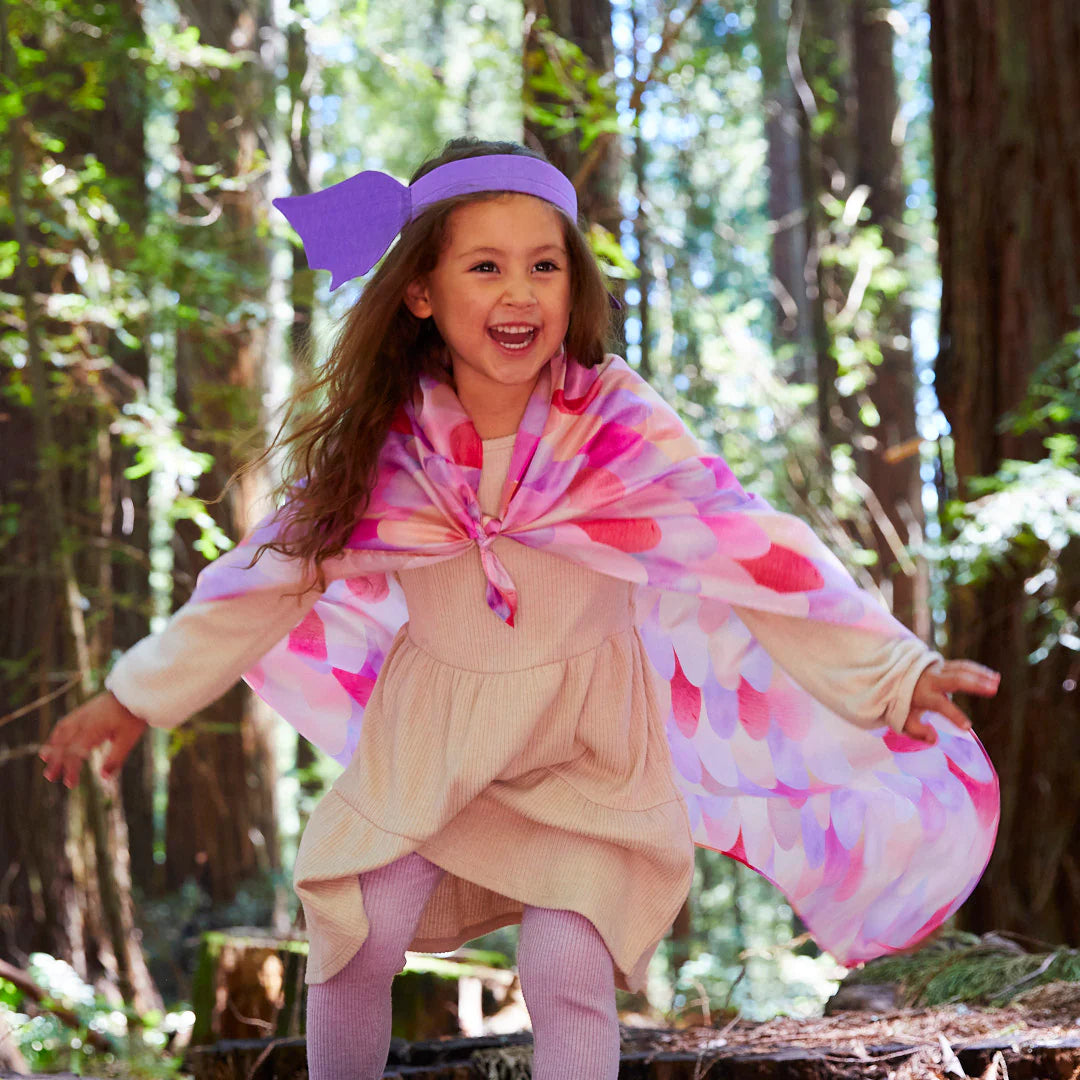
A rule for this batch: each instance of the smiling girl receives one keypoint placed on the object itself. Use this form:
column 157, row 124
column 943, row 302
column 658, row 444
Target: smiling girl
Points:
column 577, row 647
column 502, row 306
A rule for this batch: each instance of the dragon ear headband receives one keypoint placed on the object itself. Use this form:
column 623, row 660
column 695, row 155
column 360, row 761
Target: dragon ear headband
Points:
column 346, row 228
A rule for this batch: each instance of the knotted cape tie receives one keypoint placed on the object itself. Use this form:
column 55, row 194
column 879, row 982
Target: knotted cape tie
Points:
column 501, row 592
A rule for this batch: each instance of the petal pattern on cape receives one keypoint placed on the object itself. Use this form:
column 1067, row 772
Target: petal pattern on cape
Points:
column 874, row 838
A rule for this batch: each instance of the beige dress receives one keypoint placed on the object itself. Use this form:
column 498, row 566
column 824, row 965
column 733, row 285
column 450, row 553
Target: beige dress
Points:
column 530, row 763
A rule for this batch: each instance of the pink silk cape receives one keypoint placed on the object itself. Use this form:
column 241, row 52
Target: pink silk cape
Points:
column 874, row 838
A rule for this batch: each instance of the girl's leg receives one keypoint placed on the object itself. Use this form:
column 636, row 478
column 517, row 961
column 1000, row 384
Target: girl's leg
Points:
column 348, row 1016
column 568, row 981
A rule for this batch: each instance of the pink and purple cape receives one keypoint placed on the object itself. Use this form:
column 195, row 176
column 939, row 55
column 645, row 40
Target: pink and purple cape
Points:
column 874, row 838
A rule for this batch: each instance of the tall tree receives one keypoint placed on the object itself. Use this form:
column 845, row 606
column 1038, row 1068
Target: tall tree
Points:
column 125, row 511
column 826, row 95
column 1006, row 148
column 299, row 77
column 860, row 315
column 787, row 201
column 67, row 883
column 220, row 822
column 564, row 91
column 888, row 445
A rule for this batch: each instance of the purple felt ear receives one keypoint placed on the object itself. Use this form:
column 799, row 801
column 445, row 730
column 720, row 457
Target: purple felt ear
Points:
column 346, row 228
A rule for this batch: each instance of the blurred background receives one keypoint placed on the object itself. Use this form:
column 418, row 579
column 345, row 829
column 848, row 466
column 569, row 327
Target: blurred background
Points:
column 846, row 237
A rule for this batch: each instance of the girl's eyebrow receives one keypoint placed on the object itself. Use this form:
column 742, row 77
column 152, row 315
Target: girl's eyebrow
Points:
column 499, row 251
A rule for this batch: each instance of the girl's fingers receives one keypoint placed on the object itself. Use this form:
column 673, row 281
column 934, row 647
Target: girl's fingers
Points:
column 953, row 676
column 122, row 744
column 941, row 703
column 100, row 720
column 965, row 676
column 68, row 747
column 54, row 751
column 915, row 728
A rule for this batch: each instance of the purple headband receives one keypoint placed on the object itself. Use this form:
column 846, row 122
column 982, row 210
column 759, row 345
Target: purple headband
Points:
column 346, row 228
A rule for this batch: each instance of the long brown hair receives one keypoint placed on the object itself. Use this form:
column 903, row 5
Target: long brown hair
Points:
column 331, row 453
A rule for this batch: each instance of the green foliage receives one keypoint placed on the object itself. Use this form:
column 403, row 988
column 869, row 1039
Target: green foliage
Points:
column 745, row 957
column 565, row 92
column 1024, row 520
column 872, row 279
column 609, row 253
column 1053, row 398
column 137, row 1045
column 968, row 968
column 177, row 63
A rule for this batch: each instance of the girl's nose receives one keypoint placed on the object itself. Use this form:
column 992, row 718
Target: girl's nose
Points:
column 520, row 291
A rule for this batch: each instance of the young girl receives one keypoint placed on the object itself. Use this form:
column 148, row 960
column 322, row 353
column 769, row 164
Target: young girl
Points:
column 578, row 647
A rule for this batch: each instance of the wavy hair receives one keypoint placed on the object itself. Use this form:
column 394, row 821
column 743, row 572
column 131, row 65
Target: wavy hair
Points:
column 337, row 420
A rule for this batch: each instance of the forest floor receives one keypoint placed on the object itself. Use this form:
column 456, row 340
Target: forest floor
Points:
column 1036, row 1037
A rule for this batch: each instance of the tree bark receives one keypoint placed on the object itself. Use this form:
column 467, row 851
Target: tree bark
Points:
column 302, row 286
column 587, row 23
column 822, row 58
column 220, row 824
column 793, row 318
column 124, row 502
column 65, row 888
column 887, row 455
column 1007, row 166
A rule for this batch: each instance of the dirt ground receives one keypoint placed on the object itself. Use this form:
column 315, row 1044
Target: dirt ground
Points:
column 907, row 1043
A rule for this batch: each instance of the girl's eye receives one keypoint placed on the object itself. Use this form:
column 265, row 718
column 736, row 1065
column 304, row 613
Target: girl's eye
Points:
column 546, row 265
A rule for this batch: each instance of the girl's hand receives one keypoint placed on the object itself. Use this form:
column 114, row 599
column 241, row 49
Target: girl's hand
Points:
column 98, row 720
column 933, row 691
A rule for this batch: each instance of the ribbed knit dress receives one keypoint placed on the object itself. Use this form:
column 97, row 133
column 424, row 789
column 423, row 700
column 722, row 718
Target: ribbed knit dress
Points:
column 529, row 762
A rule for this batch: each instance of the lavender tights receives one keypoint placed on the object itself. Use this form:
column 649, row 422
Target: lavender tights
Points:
column 566, row 972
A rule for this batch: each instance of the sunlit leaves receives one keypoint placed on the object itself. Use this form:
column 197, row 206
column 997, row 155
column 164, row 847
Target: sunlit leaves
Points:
column 1054, row 393
column 1025, row 518
column 610, row 254
column 49, row 1044
column 565, row 92
column 9, row 251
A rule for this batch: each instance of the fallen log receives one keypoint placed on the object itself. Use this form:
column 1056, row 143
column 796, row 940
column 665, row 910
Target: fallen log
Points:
column 1027, row 1057
column 1036, row 1043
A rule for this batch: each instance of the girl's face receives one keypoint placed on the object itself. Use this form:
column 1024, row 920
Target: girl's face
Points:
column 499, row 295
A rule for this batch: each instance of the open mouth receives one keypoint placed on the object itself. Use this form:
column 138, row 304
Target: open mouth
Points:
column 513, row 336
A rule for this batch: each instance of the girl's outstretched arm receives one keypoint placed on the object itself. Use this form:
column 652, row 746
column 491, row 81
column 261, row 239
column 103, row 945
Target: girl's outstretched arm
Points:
column 167, row 677
column 101, row 719
column 935, row 685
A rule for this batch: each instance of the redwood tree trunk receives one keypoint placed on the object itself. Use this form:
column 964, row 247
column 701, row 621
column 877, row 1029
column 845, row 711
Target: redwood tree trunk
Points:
column 220, row 823
column 793, row 318
column 65, row 886
column 587, row 23
column 1007, row 164
column 888, row 454
column 125, row 503
column 828, row 162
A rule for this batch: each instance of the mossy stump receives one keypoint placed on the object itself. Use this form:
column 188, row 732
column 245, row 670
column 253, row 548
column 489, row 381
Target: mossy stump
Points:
column 249, row 984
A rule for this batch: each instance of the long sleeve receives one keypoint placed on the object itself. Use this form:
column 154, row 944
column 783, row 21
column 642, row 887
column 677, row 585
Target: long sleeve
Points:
column 206, row 646
column 862, row 677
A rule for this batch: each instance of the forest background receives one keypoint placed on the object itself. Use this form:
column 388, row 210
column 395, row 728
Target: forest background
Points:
column 846, row 235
